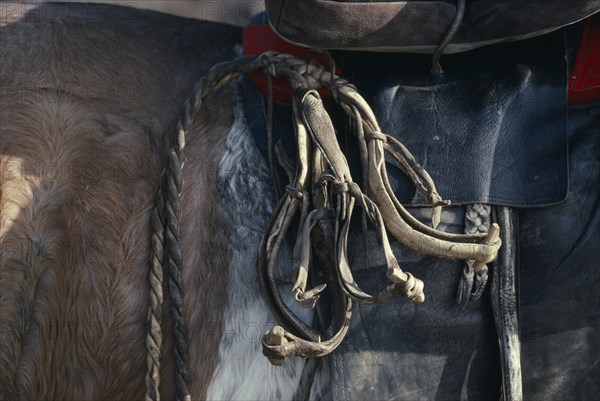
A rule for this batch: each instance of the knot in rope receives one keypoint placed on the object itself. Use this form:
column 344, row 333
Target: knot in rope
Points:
column 295, row 192
column 320, row 198
column 377, row 136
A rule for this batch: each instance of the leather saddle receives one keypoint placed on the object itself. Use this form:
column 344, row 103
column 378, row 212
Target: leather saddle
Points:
column 492, row 130
column 413, row 26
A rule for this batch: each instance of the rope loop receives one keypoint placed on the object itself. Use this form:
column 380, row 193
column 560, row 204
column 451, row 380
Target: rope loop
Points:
column 321, row 199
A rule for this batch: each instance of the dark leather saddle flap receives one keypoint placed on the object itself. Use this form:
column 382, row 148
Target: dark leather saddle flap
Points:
column 492, row 129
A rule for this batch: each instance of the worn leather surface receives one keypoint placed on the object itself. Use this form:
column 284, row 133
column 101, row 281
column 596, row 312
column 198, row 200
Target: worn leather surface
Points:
column 403, row 351
column 491, row 130
column 560, row 277
column 436, row 351
column 502, row 126
column 416, row 25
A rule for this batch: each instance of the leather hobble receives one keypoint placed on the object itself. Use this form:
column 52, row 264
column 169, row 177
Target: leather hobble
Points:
column 320, row 200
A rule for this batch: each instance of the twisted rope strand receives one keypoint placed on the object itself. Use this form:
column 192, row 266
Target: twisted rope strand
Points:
column 174, row 260
column 325, row 160
column 166, row 252
column 154, row 319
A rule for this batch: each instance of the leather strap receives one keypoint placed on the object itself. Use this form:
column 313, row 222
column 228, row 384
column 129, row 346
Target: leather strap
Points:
column 324, row 195
column 505, row 305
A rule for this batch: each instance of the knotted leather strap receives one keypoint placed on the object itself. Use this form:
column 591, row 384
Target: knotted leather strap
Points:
column 330, row 201
column 321, row 198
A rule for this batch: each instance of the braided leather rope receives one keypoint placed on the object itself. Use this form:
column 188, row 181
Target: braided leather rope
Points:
column 167, row 258
column 154, row 335
column 477, row 220
column 323, row 195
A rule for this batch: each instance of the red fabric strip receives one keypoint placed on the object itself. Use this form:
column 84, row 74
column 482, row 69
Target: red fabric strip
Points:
column 584, row 81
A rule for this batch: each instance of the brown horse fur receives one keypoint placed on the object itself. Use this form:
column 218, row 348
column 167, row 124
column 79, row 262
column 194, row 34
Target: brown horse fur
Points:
column 88, row 94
